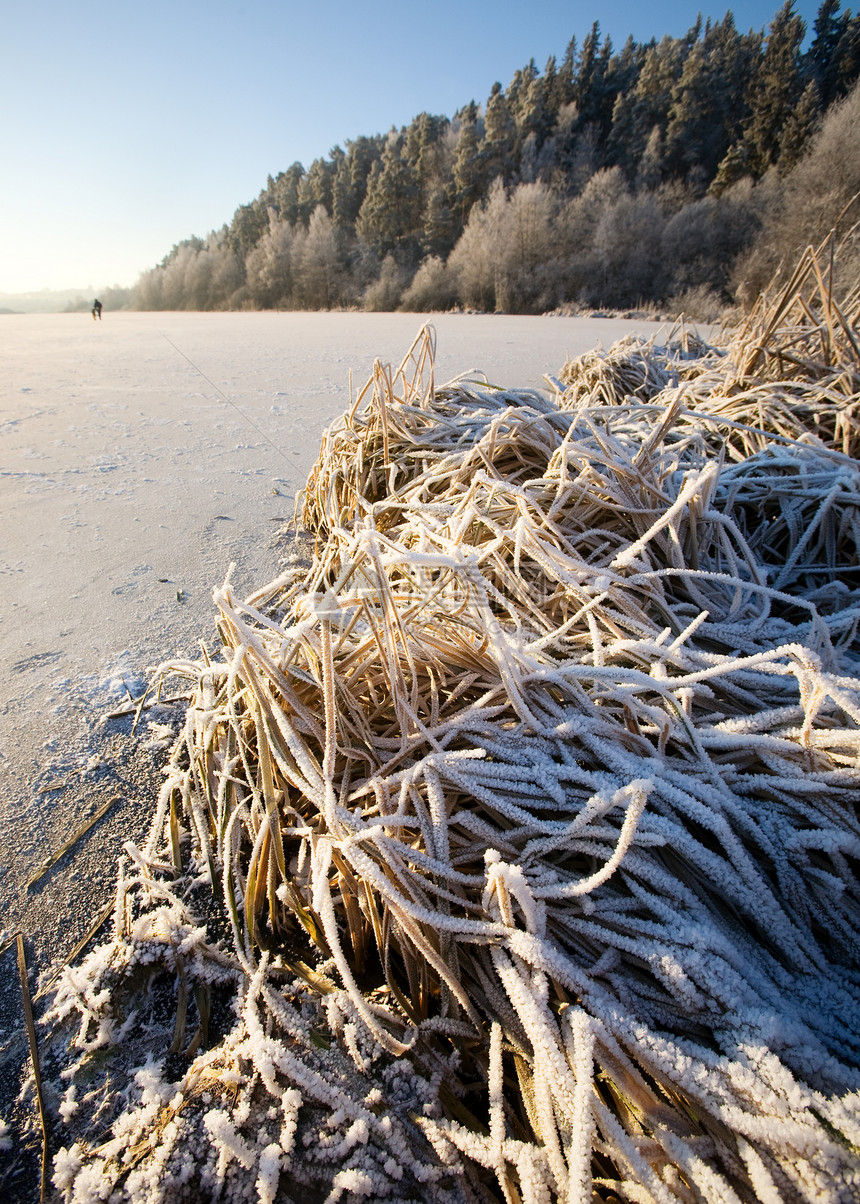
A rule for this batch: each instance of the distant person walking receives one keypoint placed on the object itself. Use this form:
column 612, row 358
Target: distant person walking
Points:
column 97, row 310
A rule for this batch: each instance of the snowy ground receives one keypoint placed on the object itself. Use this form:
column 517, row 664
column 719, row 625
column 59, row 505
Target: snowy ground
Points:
column 139, row 457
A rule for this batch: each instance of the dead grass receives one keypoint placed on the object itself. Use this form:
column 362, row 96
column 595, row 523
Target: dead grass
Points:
column 545, row 771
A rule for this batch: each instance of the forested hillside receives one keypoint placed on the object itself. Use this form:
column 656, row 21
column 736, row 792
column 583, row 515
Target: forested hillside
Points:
column 614, row 177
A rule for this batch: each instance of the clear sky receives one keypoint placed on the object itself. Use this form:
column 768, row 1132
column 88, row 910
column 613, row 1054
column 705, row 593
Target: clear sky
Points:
column 128, row 126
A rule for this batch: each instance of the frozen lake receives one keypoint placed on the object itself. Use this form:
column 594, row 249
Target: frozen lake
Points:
column 139, row 457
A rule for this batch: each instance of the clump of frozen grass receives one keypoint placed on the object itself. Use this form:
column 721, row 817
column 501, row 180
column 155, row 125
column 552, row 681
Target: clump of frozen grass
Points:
column 159, row 938
column 273, row 1106
column 543, row 779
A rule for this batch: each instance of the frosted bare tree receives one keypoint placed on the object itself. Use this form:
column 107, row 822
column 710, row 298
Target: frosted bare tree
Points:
column 269, row 266
column 319, row 278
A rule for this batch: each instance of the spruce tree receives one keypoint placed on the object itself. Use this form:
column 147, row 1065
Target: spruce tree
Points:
column 246, row 228
column 344, row 209
column 315, row 189
column 564, row 80
column 586, row 73
column 535, row 117
column 798, row 128
column 425, row 151
column 847, row 56
column 647, row 104
column 389, row 218
column 468, row 174
column 499, row 137
column 822, row 60
column 438, row 228
column 285, row 193
column 708, row 106
column 519, row 101
column 775, row 91
column 734, row 167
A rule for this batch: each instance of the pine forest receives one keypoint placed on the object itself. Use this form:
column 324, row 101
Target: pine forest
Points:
column 679, row 174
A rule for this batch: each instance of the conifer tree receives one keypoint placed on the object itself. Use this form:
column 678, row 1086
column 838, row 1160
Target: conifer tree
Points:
column 734, row 167
column 564, row 80
column 774, row 92
column 349, row 187
column 518, row 100
column 425, row 151
column 549, row 95
column 604, row 89
column 599, row 75
column 499, row 137
column 798, row 128
column 371, row 223
column 439, row 227
column 535, row 117
column 586, row 74
column 822, row 59
column 623, row 73
column 285, row 193
column 315, row 189
column 228, row 272
column 708, row 105
column 649, row 173
column 468, row 176
column 648, row 104
column 848, row 57
column 344, row 210
column 389, row 218
column 247, row 226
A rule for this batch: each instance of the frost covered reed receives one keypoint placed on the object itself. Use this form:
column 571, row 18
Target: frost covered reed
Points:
column 543, row 779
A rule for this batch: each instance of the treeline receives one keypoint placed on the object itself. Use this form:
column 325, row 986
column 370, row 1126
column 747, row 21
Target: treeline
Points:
column 113, row 297
column 613, row 178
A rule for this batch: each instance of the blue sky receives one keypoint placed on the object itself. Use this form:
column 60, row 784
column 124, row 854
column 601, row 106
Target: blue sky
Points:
column 129, row 126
